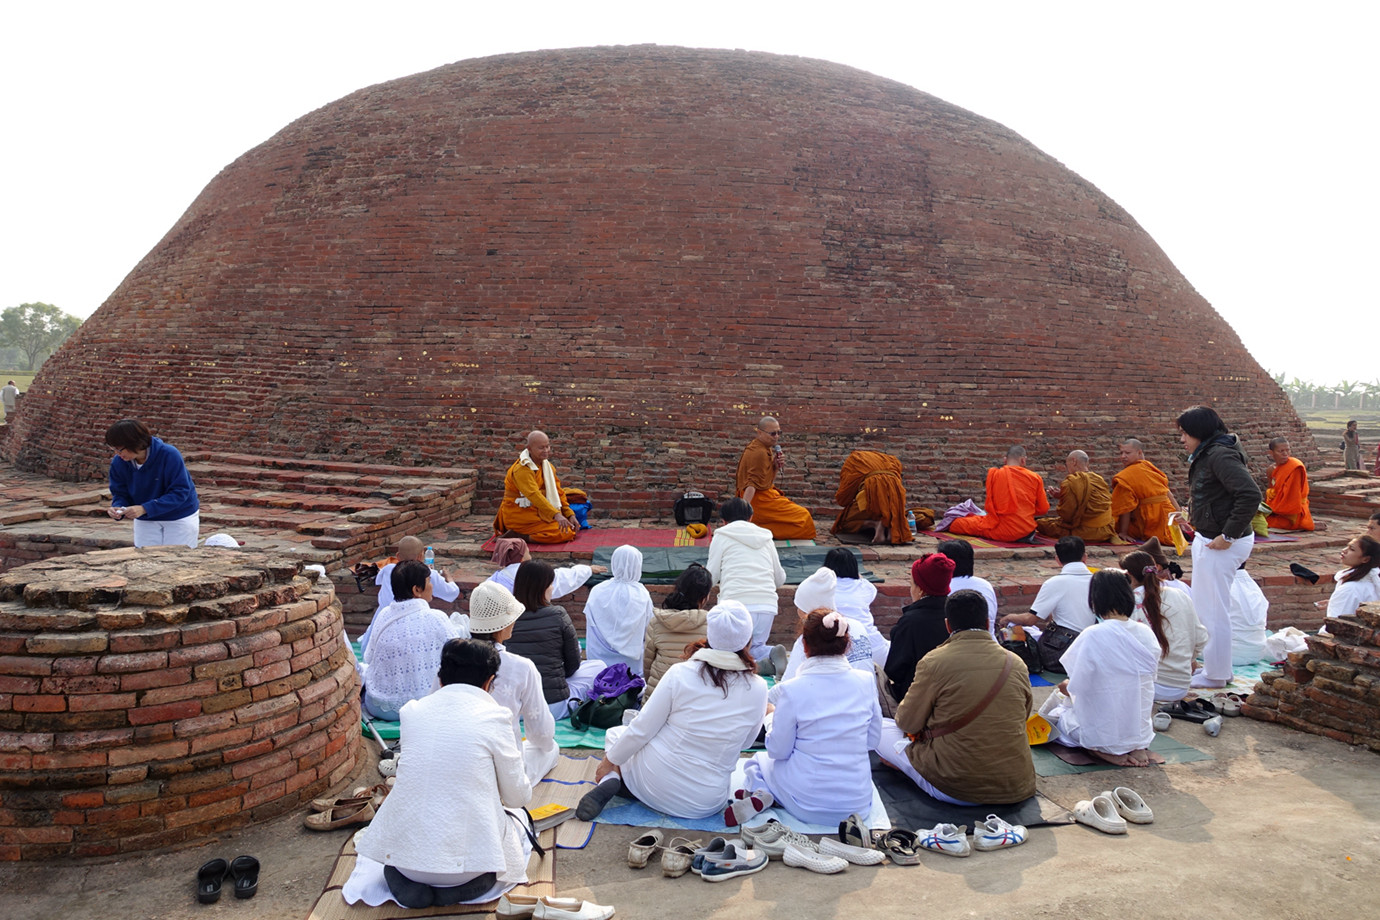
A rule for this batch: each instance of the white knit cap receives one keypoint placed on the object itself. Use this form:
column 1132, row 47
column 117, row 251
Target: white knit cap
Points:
column 222, row 539
column 817, row 591
column 729, row 626
column 492, row 607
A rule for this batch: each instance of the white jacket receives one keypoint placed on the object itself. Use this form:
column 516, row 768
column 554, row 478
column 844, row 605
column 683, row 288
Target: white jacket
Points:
column 458, row 769
column 1346, row 597
column 744, row 564
column 1185, row 635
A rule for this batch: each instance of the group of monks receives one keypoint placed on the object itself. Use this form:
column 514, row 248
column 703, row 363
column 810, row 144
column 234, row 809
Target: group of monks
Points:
column 1135, row 508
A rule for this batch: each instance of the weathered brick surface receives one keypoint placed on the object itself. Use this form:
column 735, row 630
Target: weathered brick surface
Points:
column 155, row 734
column 641, row 250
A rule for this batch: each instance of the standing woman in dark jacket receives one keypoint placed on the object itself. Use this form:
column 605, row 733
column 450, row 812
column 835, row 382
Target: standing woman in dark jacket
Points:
column 545, row 635
column 1223, row 497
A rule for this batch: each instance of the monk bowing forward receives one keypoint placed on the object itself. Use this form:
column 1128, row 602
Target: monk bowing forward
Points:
column 1014, row 496
column 872, row 497
column 1287, row 495
column 756, row 484
column 534, row 504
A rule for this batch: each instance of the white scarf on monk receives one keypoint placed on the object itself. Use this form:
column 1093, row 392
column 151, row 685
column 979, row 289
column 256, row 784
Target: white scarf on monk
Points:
column 718, row 658
column 548, row 479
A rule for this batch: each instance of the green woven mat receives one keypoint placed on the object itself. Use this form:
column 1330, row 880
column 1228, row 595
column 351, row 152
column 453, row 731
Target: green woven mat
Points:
column 1046, row 764
column 661, row 565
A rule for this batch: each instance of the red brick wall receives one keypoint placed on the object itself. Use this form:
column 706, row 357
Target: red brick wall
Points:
column 641, row 250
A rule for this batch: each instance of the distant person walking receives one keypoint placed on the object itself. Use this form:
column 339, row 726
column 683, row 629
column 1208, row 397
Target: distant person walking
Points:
column 9, row 398
column 1351, row 446
column 150, row 485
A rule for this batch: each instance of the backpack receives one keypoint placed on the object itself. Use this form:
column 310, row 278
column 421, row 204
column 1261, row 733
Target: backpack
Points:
column 615, row 690
column 693, row 508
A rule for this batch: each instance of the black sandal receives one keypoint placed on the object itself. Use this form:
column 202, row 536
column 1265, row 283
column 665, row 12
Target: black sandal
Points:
column 245, row 871
column 208, row 880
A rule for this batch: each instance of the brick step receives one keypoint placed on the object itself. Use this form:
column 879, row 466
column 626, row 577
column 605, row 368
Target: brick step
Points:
column 378, row 470
column 267, row 519
column 343, row 483
column 294, row 501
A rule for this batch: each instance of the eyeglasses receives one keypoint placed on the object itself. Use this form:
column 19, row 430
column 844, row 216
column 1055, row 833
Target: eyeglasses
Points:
column 774, row 434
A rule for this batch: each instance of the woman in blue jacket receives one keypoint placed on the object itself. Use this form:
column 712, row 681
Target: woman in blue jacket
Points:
column 150, row 485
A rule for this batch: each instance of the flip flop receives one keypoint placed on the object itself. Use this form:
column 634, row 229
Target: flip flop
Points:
column 1130, row 805
column 208, row 879
column 902, row 846
column 853, row 831
column 245, row 871
column 1188, row 710
column 1228, row 704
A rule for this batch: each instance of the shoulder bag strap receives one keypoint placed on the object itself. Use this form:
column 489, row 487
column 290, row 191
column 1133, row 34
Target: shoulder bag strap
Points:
column 929, row 734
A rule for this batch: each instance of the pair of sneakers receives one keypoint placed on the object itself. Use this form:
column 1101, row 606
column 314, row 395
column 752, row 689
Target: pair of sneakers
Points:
column 725, row 858
column 990, row 834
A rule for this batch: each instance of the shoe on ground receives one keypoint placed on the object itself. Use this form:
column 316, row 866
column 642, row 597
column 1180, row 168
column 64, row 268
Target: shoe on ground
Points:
column 714, row 847
column 775, row 846
column 996, row 834
column 570, row 909
column 1213, row 726
column 516, row 905
column 677, row 856
column 946, row 838
column 731, row 862
column 1162, row 721
column 347, row 816
column 778, row 657
column 1100, row 813
column 1228, row 704
column 1130, row 805
column 853, row 831
column 640, row 850
column 760, row 833
column 858, row 856
column 813, row 860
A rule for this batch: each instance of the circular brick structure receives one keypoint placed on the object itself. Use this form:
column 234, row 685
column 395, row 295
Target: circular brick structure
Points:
column 152, row 697
column 641, row 250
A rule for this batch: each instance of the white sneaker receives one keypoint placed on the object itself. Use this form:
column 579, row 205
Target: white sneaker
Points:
column 994, row 834
column 570, row 909
column 760, row 833
column 774, row 847
column 516, row 905
column 946, row 838
column 813, row 860
column 858, row 856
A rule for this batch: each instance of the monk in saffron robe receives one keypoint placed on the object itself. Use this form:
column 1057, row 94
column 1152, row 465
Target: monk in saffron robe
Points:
column 1287, row 495
column 1085, row 504
column 1141, row 500
column 756, row 484
column 872, row 497
column 534, row 504
column 1014, row 496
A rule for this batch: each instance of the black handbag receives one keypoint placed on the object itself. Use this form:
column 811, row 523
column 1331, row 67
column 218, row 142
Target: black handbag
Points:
column 1054, row 640
column 1028, row 650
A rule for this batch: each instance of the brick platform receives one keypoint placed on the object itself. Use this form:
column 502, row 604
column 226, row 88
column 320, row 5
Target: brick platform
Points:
column 152, row 697
column 1333, row 688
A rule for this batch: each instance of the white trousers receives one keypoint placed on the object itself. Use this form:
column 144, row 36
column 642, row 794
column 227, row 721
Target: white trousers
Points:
column 762, row 619
column 1213, row 572
column 181, row 532
column 580, row 684
column 892, row 749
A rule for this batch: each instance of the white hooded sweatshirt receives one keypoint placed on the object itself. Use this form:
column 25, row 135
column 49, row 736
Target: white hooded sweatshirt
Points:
column 744, row 564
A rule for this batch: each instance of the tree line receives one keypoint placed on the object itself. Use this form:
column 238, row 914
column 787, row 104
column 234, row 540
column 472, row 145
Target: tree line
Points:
column 1347, row 394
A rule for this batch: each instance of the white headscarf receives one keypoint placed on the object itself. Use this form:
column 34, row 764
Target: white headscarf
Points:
column 618, row 610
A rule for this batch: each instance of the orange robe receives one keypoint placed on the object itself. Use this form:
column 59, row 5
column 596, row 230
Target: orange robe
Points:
column 1143, row 490
column 1287, row 497
column 1014, row 496
column 870, row 489
column 1084, row 510
column 536, row 523
column 770, row 509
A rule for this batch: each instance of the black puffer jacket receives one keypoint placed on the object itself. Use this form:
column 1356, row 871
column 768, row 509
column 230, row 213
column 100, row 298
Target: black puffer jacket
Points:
column 546, row 637
column 1223, row 496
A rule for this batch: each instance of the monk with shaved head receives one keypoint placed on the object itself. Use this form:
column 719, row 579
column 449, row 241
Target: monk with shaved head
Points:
column 1085, row 504
column 1014, row 496
column 534, row 504
column 1141, row 500
column 1287, row 495
column 756, row 484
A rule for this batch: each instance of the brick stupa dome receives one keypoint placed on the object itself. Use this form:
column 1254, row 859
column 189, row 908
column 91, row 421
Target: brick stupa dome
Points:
column 641, row 250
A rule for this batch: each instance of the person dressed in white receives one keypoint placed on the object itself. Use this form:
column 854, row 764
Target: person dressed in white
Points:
column 1250, row 610
column 617, row 611
column 961, row 552
column 819, row 592
column 410, row 549
column 1111, row 667
column 1359, row 582
column 678, row 754
column 444, row 834
column 744, row 564
column 400, row 663
column 493, row 611
column 853, row 597
column 511, row 552
column 1171, row 617
column 827, row 720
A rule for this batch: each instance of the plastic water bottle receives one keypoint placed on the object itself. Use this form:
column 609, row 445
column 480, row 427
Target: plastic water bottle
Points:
column 429, row 558
column 910, row 520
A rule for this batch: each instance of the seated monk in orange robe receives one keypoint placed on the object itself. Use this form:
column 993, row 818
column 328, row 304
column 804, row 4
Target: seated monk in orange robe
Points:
column 1014, row 496
column 756, row 478
column 872, row 497
column 1141, row 500
column 534, row 504
column 1287, row 495
column 1085, row 505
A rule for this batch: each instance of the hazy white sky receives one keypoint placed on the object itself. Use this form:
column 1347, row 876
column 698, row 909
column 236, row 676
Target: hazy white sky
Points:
column 1242, row 136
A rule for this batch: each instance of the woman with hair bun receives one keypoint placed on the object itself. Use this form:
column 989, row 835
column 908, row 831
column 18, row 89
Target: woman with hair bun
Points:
column 1171, row 617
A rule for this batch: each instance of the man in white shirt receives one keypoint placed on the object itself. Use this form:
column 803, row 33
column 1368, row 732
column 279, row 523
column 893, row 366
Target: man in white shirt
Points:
column 410, row 549
column 9, row 398
column 1061, row 610
column 961, row 552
